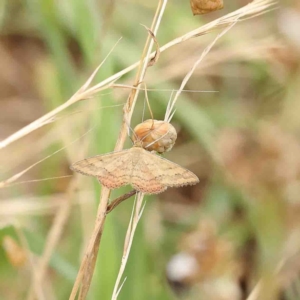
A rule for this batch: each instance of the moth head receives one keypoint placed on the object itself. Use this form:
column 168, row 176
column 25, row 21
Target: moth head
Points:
column 137, row 143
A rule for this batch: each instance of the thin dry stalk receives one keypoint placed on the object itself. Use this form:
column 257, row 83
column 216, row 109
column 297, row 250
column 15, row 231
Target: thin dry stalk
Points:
column 9, row 181
column 169, row 113
column 119, row 200
column 124, row 86
column 88, row 263
column 137, row 211
column 39, row 292
column 138, row 207
column 83, row 93
column 170, row 108
column 43, row 143
column 39, row 205
column 53, row 237
column 256, row 292
column 87, row 266
column 57, row 227
column 253, row 9
column 260, row 50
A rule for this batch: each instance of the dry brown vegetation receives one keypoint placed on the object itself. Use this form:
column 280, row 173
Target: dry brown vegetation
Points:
column 235, row 235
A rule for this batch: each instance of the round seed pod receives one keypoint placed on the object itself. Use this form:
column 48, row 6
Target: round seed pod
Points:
column 159, row 136
column 15, row 253
column 200, row 7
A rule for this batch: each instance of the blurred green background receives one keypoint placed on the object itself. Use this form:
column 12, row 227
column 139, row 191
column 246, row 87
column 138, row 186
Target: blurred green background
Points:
column 239, row 132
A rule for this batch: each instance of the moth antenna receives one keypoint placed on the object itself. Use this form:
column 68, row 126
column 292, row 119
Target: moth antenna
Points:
column 130, row 129
column 148, row 104
column 131, row 139
column 143, row 114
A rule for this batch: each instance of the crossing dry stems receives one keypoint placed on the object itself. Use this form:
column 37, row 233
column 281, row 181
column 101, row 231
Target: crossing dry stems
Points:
column 251, row 10
column 86, row 270
column 138, row 207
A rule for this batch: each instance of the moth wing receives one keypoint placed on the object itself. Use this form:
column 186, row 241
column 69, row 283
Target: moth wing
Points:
column 113, row 169
column 142, row 178
column 168, row 173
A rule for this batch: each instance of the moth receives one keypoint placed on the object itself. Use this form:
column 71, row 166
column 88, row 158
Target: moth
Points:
column 144, row 171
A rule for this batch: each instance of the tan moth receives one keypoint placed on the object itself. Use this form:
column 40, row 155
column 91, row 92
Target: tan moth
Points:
column 144, row 171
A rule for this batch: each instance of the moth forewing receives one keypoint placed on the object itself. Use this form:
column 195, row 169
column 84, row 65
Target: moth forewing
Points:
column 145, row 171
column 169, row 173
column 142, row 178
column 100, row 165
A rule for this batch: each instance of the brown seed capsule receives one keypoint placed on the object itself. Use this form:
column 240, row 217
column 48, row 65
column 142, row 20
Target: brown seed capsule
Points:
column 15, row 253
column 159, row 136
column 200, row 7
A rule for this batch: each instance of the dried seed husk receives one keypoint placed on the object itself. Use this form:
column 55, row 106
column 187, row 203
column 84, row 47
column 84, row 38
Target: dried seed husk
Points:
column 159, row 136
column 14, row 252
column 200, row 7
